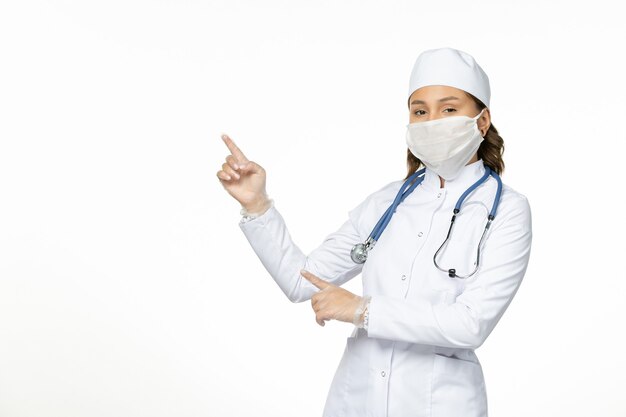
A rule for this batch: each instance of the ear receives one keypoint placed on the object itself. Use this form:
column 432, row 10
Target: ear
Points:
column 484, row 122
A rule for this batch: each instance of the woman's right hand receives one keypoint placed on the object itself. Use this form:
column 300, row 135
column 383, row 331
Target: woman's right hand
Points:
column 243, row 179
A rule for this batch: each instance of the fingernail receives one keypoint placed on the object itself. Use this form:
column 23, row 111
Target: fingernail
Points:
column 235, row 166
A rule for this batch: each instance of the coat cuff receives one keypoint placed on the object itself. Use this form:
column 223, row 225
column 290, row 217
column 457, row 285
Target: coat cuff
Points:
column 257, row 219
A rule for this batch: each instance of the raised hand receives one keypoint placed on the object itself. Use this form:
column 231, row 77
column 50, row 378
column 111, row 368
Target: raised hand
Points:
column 243, row 179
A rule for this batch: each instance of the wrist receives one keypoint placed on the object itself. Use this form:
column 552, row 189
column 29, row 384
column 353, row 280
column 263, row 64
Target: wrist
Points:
column 258, row 207
column 361, row 311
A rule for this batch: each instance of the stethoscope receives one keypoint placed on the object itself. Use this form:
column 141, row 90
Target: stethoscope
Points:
column 360, row 250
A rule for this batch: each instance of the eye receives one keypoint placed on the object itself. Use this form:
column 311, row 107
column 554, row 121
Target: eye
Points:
column 449, row 108
column 416, row 112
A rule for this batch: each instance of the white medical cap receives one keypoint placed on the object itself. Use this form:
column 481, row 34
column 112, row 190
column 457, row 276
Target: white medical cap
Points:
column 451, row 67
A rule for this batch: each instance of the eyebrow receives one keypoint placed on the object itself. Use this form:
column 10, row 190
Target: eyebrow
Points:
column 440, row 100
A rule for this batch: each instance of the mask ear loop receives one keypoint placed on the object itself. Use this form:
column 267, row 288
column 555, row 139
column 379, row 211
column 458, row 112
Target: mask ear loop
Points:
column 476, row 119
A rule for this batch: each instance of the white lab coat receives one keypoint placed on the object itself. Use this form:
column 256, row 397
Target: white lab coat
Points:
column 416, row 357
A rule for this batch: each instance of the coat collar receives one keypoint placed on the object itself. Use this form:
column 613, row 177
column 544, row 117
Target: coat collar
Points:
column 469, row 175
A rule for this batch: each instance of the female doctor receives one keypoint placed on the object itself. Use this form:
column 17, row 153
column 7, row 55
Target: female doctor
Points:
column 442, row 253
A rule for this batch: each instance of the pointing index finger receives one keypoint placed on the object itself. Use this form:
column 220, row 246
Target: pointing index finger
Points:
column 318, row 282
column 234, row 149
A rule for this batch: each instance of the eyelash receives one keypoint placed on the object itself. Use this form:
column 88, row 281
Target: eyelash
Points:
column 447, row 108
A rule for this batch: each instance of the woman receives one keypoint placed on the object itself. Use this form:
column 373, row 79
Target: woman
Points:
column 428, row 301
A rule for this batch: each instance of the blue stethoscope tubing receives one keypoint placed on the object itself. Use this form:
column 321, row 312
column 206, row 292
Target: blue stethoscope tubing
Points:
column 360, row 250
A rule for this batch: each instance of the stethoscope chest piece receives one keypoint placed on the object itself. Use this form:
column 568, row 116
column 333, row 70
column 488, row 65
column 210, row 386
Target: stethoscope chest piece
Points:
column 360, row 250
column 358, row 253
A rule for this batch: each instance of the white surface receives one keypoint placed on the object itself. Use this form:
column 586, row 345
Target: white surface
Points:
column 121, row 262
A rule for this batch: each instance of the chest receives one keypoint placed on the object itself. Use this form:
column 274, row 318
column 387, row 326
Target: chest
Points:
column 401, row 262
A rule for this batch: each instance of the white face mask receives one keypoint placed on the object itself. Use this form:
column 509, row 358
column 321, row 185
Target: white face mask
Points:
column 445, row 145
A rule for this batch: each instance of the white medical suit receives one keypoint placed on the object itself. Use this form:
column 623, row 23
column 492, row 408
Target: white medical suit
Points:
column 416, row 358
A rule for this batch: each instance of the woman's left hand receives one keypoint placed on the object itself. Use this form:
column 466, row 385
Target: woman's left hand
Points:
column 332, row 302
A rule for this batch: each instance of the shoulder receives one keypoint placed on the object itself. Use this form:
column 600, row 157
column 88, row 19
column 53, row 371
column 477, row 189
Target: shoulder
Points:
column 513, row 199
column 514, row 207
column 386, row 192
column 381, row 196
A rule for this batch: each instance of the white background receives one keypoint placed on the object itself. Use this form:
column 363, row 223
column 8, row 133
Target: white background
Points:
column 126, row 285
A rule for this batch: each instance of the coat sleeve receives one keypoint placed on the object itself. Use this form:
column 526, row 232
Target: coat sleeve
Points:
column 468, row 321
column 283, row 259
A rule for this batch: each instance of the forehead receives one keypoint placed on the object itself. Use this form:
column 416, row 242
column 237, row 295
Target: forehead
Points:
column 435, row 92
